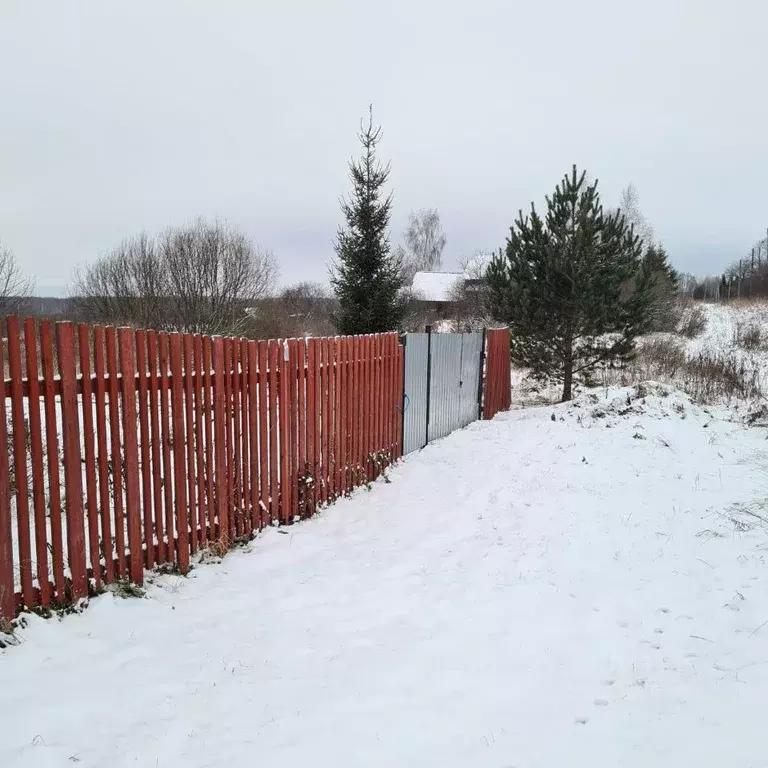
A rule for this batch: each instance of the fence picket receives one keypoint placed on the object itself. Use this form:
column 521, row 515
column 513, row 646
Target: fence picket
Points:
column 38, row 481
column 100, row 407
column 19, row 439
column 155, row 421
column 73, row 478
column 7, row 591
column 265, row 478
column 180, row 482
column 189, row 426
column 274, row 429
column 221, row 528
column 130, row 455
column 144, row 442
column 89, row 458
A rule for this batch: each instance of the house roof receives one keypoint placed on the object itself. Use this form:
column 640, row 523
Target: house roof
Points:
column 435, row 286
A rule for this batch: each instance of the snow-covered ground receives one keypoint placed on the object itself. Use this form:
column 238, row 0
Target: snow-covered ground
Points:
column 578, row 585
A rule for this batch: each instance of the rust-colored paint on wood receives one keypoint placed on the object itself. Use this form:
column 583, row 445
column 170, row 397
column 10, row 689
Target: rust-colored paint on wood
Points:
column 252, row 459
column 19, row 440
column 345, row 389
column 166, row 443
column 52, row 456
column 302, row 468
column 189, row 425
column 116, row 463
column 274, row 430
column 199, row 534
column 156, row 453
column 131, row 455
column 293, row 426
column 210, row 460
column 236, row 457
column 311, row 427
column 220, row 449
column 354, row 421
column 227, row 481
column 180, row 488
column 7, row 591
column 89, row 457
column 324, row 426
column 264, row 478
column 73, row 480
column 336, row 433
column 8, row 597
column 103, row 462
column 284, row 424
column 200, row 412
column 38, row 479
column 144, row 450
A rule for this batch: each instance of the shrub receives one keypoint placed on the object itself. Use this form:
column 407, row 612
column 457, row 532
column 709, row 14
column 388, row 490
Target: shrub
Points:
column 747, row 335
column 693, row 322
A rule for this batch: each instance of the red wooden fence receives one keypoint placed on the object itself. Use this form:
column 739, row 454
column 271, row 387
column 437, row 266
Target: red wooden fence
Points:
column 121, row 449
column 497, row 394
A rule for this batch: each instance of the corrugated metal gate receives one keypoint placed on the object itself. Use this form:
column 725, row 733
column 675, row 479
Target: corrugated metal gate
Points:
column 442, row 385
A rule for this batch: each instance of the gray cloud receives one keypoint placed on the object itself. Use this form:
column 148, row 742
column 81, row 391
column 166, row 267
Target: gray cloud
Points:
column 120, row 117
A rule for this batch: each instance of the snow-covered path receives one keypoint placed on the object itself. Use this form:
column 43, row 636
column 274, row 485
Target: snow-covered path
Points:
column 583, row 591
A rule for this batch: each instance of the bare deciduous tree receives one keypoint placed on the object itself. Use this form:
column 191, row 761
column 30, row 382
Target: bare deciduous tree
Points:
column 629, row 205
column 15, row 288
column 196, row 279
column 424, row 243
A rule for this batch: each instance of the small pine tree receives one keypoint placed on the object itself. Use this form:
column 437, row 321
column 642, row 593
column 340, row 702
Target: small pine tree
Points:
column 665, row 309
column 572, row 286
column 367, row 277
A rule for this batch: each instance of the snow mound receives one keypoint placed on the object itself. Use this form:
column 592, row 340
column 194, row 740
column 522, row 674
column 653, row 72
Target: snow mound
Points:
column 650, row 399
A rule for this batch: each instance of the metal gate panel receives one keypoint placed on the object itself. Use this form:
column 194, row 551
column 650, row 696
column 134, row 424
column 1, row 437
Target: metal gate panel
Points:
column 471, row 374
column 415, row 400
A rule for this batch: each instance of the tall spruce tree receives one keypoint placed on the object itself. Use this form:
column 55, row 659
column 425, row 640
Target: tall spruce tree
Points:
column 572, row 286
column 367, row 277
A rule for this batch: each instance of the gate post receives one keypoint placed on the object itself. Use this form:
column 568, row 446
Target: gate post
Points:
column 428, row 330
column 481, row 383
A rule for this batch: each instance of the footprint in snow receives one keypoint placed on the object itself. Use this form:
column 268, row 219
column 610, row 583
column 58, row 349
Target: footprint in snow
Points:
column 601, row 702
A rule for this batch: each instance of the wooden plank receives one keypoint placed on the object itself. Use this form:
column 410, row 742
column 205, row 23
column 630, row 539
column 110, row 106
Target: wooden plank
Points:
column 148, row 533
column 166, row 441
column 379, row 406
column 355, row 412
column 336, row 435
column 103, row 462
column 189, row 425
column 113, row 389
column 156, row 455
column 131, row 455
column 293, row 428
column 236, row 454
column 389, row 398
column 301, row 382
column 201, row 414
column 264, row 476
column 38, row 478
column 229, row 496
column 210, row 460
column 274, row 430
column 323, row 402
column 244, row 465
column 252, row 459
column 371, row 397
column 221, row 529
column 52, row 456
column 285, row 439
column 89, row 463
column 344, row 413
column 180, row 481
column 19, row 439
column 73, row 478
column 7, row 588
column 311, row 416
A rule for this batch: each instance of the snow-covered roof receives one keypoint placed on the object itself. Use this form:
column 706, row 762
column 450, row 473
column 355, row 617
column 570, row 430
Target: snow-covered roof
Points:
column 435, row 286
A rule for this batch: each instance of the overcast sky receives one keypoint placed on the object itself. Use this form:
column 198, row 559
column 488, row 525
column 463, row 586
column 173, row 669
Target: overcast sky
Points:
column 122, row 116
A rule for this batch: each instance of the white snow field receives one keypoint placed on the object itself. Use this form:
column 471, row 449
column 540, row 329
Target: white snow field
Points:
column 577, row 585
